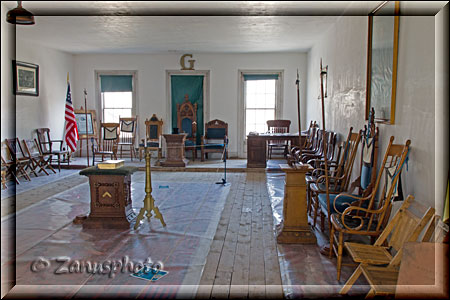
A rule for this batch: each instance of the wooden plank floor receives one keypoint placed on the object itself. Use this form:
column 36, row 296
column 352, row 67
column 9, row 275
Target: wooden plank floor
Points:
column 243, row 260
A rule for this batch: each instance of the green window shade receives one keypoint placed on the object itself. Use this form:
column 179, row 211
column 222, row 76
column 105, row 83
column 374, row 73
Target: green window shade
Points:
column 116, row 83
column 260, row 76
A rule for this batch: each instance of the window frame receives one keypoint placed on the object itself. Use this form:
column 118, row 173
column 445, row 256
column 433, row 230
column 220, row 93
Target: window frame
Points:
column 99, row 101
column 242, row 138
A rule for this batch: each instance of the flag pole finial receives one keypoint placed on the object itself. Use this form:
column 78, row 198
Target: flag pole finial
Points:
column 67, row 77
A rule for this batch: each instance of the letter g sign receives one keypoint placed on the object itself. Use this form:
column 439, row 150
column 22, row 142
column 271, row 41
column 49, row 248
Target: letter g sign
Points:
column 191, row 62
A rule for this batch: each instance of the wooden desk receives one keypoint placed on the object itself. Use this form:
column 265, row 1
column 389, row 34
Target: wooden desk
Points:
column 111, row 204
column 175, row 156
column 295, row 219
column 257, row 147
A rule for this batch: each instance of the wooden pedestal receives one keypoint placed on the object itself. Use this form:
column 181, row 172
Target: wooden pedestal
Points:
column 111, row 204
column 296, row 228
column 175, row 150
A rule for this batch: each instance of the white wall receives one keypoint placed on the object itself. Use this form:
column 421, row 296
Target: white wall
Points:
column 21, row 115
column 46, row 110
column 151, row 89
column 344, row 50
column 8, row 54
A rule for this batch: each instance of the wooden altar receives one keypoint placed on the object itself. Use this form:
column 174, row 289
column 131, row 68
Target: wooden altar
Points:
column 175, row 156
column 111, row 203
column 295, row 219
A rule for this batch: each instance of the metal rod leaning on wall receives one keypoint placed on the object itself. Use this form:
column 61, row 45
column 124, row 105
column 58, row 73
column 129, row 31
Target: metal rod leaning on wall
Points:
column 297, row 82
column 324, row 141
column 87, row 131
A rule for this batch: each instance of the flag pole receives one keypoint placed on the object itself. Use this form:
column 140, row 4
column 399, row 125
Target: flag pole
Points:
column 87, row 131
column 297, row 82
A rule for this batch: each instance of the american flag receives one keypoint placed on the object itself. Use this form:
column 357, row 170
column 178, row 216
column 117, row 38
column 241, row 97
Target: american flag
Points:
column 71, row 132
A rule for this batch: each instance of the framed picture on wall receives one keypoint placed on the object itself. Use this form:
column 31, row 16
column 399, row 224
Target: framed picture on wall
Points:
column 25, row 78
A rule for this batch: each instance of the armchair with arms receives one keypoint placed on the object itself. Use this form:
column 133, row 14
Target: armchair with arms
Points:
column 47, row 147
column 217, row 131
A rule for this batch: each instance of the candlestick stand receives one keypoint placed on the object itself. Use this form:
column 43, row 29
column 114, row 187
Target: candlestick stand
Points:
column 149, row 202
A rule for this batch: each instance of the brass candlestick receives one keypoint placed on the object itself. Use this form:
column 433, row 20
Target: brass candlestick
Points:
column 149, row 202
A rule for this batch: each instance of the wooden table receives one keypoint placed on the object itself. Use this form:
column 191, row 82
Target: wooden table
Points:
column 295, row 219
column 175, row 156
column 111, row 204
column 257, row 147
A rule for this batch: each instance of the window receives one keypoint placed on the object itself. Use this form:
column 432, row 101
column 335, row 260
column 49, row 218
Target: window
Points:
column 116, row 97
column 260, row 101
column 115, row 105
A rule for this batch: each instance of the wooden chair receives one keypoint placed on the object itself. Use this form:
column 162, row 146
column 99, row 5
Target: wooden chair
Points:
column 338, row 178
column 278, row 126
column 387, row 249
column 365, row 182
column 107, row 144
column 38, row 160
column 21, row 162
column 187, row 123
column 4, row 177
column 370, row 216
column 10, row 166
column 127, row 137
column 47, row 148
column 153, row 133
column 215, row 138
column 330, row 138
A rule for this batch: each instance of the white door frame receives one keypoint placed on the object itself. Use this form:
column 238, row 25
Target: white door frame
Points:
column 206, row 94
column 242, row 139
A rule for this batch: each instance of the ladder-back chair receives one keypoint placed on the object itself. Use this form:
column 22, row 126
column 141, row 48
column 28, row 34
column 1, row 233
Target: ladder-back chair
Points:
column 277, row 127
column 127, row 137
column 370, row 216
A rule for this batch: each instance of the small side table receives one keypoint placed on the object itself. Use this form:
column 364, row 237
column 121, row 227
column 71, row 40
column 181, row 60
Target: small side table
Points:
column 295, row 226
column 111, row 204
column 175, row 156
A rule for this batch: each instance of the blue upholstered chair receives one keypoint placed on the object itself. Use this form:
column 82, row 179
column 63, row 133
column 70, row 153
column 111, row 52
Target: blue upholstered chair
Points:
column 153, row 132
column 187, row 123
column 215, row 138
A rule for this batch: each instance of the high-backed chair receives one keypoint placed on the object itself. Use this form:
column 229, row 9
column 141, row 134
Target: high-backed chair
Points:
column 365, row 181
column 215, row 138
column 127, row 137
column 187, row 123
column 153, row 133
column 107, row 145
column 371, row 215
column 47, row 147
column 278, row 126
column 338, row 178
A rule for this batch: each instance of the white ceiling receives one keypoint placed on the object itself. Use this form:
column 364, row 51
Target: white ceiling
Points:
column 188, row 26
